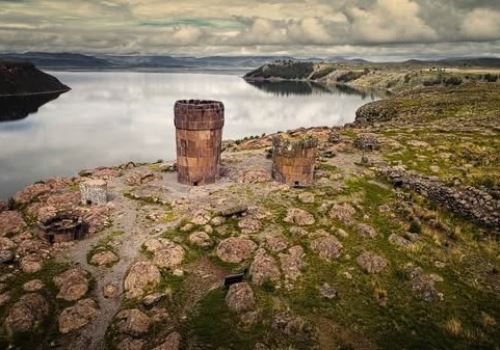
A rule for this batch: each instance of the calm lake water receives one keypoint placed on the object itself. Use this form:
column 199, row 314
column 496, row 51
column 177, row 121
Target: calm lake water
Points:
column 109, row 118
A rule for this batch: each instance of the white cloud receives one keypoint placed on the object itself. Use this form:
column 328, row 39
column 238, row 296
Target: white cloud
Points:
column 389, row 21
column 482, row 24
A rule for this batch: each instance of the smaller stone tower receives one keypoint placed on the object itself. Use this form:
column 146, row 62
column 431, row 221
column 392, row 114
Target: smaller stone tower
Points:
column 294, row 159
column 198, row 126
column 93, row 191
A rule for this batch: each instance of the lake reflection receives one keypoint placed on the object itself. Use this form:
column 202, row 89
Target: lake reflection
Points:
column 112, row 117
column 19, row 107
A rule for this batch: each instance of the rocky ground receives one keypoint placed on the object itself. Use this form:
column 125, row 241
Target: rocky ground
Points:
column 395, row 246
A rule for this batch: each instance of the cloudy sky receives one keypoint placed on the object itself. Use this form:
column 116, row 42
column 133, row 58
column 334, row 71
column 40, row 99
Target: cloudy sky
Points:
column 362, row 28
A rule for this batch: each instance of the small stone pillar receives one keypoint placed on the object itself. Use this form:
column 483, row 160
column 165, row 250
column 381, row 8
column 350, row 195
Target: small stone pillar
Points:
column 198, row 126
column 294, row 159
column 93, row 191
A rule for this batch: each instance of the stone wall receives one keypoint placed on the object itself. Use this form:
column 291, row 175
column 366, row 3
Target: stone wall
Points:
column 468, row 202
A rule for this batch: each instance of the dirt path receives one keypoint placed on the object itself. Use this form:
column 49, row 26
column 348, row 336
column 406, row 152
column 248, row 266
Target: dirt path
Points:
column 125, row 218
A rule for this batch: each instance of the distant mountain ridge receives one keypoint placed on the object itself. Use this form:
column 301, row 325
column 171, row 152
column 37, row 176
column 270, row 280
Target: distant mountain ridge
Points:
column 63, row 61
column 78, row 61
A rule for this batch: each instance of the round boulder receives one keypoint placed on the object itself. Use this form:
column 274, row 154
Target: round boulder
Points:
column 235, row 249
column 371, row 262
column 27, row 314
column 141, row 275
column 299, row 217
column 77, row 316
column 240, row 297
column 73, row 284
column 327, row 247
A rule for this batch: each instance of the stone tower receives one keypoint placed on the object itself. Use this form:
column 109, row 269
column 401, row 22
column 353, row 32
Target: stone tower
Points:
column 198, row 126
column 294, row 159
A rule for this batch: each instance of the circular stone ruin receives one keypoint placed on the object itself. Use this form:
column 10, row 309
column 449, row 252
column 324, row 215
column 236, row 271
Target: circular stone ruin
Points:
column 294, row 160
column 63, row 228
column 199, row 126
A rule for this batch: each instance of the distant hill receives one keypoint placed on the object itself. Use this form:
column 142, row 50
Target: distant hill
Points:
column 485, row 62
column 63, row 61
column 20, row 78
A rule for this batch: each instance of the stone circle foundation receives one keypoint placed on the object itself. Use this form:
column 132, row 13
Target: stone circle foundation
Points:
column 294, row 160
column 93, row 192
column 198, row 126
column 63, row 228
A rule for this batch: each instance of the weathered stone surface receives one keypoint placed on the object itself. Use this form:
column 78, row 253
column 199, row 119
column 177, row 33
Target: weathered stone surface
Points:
column 327, row 247
column 367, row 142
column 327, row 291
column 141, row 275
column 253, row 176
column 200, row 238
column 240, row 297
column 133, row 322
column 3, row 206
column 235, row 249
column 105, row 173
column 31, row 263
column 30, row 193
column 231, row 208
column 141, row 177
column 6, row 256
column 371, row 262
column 11, row 223
column 298, row 231
column 4, row 298
column 77, row 316
column 153, row 299
column 264, row 268
column 293, row 263
column 400, row 241
column 93, row 191
column 299, row 217
column 41, row 211
column 172, row 342
column 27, row 314
column 33, row 285
column 366, row 230
column 104, row 258
column 6, row 244
column 110, row 291
column 154, row 244
column 201, row 217
column 129, row 343
column 72, row 284
column 275, row 242
column 96, row 218
column 64, row 201
column 33, row 246
column 293, row 327
column 249, row 225
column 424, row 284
column 306, row 197
column 166, row 254
column 342, row 212
column 169, row 256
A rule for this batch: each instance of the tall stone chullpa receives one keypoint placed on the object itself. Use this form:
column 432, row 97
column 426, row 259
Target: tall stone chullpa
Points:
column 199, row 126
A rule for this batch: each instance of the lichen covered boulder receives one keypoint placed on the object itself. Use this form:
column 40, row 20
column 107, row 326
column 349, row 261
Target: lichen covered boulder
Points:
column 235, row 249
column 142, row 274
